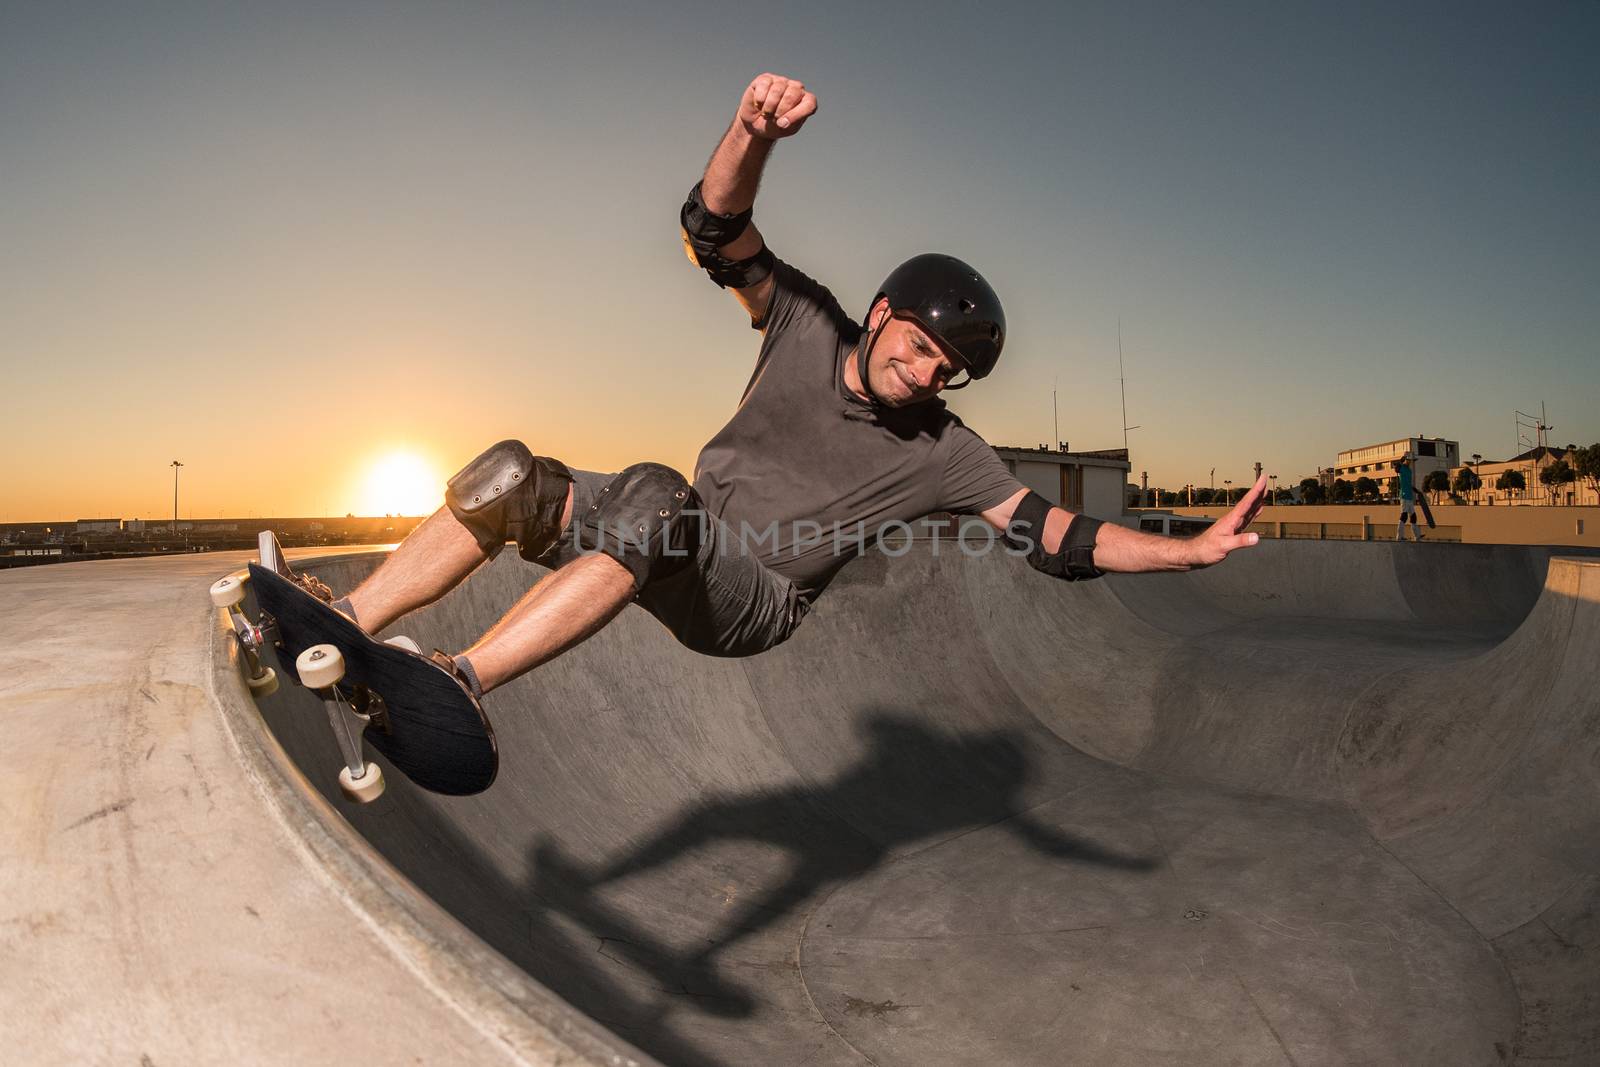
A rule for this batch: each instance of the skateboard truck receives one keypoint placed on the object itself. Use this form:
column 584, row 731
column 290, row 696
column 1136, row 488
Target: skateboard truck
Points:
column 380, row 699
column 227, row 594
column 320, row 667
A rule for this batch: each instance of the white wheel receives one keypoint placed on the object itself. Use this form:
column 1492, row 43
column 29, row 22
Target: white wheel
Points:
column 402, row 641
column 319, row 666
column 265, row 685
column 226, row 592
column 363, row 790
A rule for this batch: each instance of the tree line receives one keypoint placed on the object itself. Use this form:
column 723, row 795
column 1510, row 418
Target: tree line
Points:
column 1584, row 466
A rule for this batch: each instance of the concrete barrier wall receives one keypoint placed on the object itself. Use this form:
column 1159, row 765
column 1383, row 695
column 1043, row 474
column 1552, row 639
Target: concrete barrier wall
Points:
column 1486, row 525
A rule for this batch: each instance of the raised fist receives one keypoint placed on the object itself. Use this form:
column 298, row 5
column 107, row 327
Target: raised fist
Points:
column 774, row 106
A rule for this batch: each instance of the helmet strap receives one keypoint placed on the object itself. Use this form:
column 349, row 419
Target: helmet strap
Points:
column 862, row 351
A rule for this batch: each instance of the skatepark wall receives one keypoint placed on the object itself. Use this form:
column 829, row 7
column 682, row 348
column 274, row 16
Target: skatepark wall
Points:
column 1437, row 699
column 1514, row 524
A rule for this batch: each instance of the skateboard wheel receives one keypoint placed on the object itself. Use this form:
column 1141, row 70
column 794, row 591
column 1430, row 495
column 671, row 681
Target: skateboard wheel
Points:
column 265, row 685
column 402, row 641
column 226, row 592
column 363, row 790
column 319, row 666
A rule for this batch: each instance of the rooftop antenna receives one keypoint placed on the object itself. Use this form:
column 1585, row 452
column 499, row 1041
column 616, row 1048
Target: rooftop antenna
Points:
column 1122, row 378
column 1541, row 429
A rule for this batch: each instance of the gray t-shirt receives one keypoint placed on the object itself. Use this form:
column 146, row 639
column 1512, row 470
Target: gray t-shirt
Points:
column 808, row 474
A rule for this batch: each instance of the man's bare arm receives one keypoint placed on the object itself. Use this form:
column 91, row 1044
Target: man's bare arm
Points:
column 772, row 107
column 1120, row 550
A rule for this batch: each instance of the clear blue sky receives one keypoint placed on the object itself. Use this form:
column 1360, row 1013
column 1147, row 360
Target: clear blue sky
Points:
column 430, row 226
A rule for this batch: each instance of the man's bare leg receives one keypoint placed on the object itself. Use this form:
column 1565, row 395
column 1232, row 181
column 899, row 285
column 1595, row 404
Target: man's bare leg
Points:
column 563, row 609
column 435, row 559
column 566, row 607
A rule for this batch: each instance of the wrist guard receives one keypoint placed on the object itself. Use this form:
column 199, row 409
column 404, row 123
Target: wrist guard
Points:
column 705, row 231
column 1073, row 561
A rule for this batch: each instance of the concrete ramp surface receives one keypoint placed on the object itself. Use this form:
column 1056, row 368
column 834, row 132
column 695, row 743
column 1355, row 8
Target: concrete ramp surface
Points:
column 1326, row 804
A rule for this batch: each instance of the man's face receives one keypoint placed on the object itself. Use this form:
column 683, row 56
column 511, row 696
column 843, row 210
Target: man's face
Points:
column 908, row 365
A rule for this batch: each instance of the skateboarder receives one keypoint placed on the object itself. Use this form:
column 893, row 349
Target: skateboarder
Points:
column 840, row 437
column 1408, row 500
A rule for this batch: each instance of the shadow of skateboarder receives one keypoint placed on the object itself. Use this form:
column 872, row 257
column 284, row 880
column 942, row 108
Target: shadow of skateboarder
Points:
column 914, row 784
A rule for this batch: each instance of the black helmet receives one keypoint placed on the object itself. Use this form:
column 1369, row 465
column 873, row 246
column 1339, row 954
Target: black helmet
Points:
column 953, row 302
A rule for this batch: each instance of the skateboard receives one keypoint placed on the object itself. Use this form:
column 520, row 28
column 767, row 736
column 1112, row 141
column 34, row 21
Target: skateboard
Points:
column 1427, row 512
column 387, row 693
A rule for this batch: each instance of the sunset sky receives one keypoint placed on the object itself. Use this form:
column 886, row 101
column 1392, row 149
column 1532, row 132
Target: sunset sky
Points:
column 288, row 244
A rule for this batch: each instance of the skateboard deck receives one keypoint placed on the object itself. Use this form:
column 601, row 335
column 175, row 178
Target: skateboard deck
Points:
column 1427, row 512
column 425, row 724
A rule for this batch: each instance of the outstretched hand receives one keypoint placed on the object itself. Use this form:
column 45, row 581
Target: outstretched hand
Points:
column 774, row 106
column 1226, row 534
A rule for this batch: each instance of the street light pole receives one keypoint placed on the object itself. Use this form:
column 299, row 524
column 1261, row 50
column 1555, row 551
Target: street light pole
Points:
column 175, row 466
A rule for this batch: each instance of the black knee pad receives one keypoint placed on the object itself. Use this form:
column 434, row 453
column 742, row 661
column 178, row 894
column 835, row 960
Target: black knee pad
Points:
column 647, row 519
column 509, row 494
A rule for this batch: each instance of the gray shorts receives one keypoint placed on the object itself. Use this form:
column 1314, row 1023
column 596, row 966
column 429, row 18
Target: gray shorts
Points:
column 726, row 602
column 1408, row 505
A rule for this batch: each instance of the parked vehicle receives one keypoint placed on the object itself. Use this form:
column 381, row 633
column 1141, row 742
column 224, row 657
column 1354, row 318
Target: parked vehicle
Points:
column 1170, row 525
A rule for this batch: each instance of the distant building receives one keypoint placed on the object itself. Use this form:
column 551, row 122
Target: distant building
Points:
column 1428, row 454
column 1089, row 482
column 97, row 526
column 1529, row 464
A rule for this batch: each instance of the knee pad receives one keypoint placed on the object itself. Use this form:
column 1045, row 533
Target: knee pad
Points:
column 509, row 494
column 647, row 519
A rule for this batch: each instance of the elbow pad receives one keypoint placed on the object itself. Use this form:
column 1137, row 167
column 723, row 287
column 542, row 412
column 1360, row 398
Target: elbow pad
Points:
column 705, row 231
column 1073, row 561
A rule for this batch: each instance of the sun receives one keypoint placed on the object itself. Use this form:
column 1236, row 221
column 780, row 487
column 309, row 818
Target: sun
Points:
column 402, row 483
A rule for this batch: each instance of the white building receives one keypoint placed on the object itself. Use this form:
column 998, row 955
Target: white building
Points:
column 1530, row 464
column 1093, row 483
column 1428, row 454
